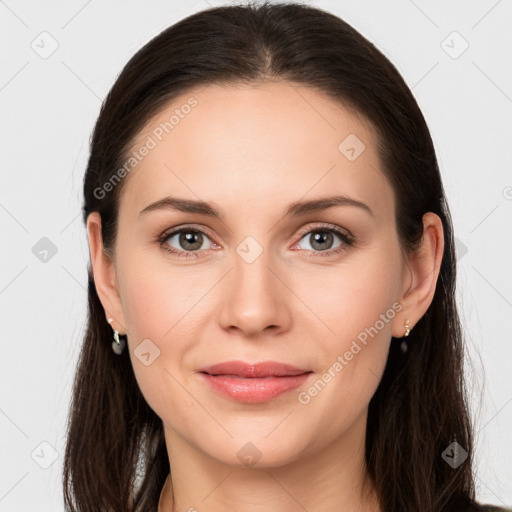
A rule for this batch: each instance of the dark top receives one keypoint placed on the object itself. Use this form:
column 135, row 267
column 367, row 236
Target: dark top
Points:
column 490, row 508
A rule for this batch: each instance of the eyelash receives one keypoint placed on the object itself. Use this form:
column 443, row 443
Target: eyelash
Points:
column 348, row 241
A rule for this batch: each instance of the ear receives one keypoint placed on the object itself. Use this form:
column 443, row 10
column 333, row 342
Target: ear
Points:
column 420, row 276
column 104, row 274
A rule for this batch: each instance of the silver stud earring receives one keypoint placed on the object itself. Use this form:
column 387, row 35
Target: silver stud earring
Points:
column 403, row 345
column 118, row 345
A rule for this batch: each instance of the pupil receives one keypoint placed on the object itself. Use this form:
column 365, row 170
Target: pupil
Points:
column 188, row 238
column 321, row 238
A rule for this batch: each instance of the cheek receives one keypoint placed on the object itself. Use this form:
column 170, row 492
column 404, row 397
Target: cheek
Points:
column 161, row 306
column 356, row 307
column 351, row 310
column 350, row 298
column 158, row 300
column 159, row 336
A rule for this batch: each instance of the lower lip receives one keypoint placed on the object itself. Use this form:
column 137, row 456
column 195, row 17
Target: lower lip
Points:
column 254, row 390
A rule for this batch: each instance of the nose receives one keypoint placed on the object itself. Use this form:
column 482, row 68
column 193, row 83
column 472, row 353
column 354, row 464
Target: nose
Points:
column 256, row 297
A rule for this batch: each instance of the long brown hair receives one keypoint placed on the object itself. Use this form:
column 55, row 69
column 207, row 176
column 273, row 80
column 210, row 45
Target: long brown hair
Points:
column 115, row 458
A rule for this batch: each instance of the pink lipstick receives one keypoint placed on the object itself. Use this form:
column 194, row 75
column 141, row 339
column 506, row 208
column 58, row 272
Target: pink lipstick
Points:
column 253, row 383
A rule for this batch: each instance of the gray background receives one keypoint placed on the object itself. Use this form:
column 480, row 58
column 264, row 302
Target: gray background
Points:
column 49, row 104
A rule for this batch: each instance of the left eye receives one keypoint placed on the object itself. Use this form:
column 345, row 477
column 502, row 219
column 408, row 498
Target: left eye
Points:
column 324, row 235
column 320, row 238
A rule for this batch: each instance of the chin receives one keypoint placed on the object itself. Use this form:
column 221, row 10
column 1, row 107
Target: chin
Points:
column 260, row 453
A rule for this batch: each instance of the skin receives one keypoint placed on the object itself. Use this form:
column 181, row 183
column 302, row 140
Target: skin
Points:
column 252, row 150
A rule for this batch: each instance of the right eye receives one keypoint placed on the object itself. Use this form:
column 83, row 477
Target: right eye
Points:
column 190, row 241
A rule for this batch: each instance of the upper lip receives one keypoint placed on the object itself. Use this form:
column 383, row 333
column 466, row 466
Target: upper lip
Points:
column 248, row 370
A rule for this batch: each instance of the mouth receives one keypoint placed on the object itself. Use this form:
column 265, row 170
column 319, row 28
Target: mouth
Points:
column 251, row 377
column 255, row 383
column 242, row 369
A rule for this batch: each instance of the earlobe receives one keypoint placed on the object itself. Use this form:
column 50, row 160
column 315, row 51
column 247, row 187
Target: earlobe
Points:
column 423, row 267
column 104, row 273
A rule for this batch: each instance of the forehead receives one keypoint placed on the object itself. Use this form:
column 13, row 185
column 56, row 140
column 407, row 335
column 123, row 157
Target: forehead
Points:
column 249, row 146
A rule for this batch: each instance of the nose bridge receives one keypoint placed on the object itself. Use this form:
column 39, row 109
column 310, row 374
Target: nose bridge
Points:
column 255, row 295
column 251, row 270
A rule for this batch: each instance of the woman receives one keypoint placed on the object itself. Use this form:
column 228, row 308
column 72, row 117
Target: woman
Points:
column 272, row 318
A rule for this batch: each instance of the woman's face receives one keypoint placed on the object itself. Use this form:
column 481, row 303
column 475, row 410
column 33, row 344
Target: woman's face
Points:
column 257, row 284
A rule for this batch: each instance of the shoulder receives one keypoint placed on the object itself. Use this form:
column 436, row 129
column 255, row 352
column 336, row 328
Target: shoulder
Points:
column 489, row 508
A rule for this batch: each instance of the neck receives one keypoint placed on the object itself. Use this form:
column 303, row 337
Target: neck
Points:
column 316, row 481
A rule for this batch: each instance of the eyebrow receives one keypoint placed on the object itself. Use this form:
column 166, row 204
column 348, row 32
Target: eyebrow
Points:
column 295, row 209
